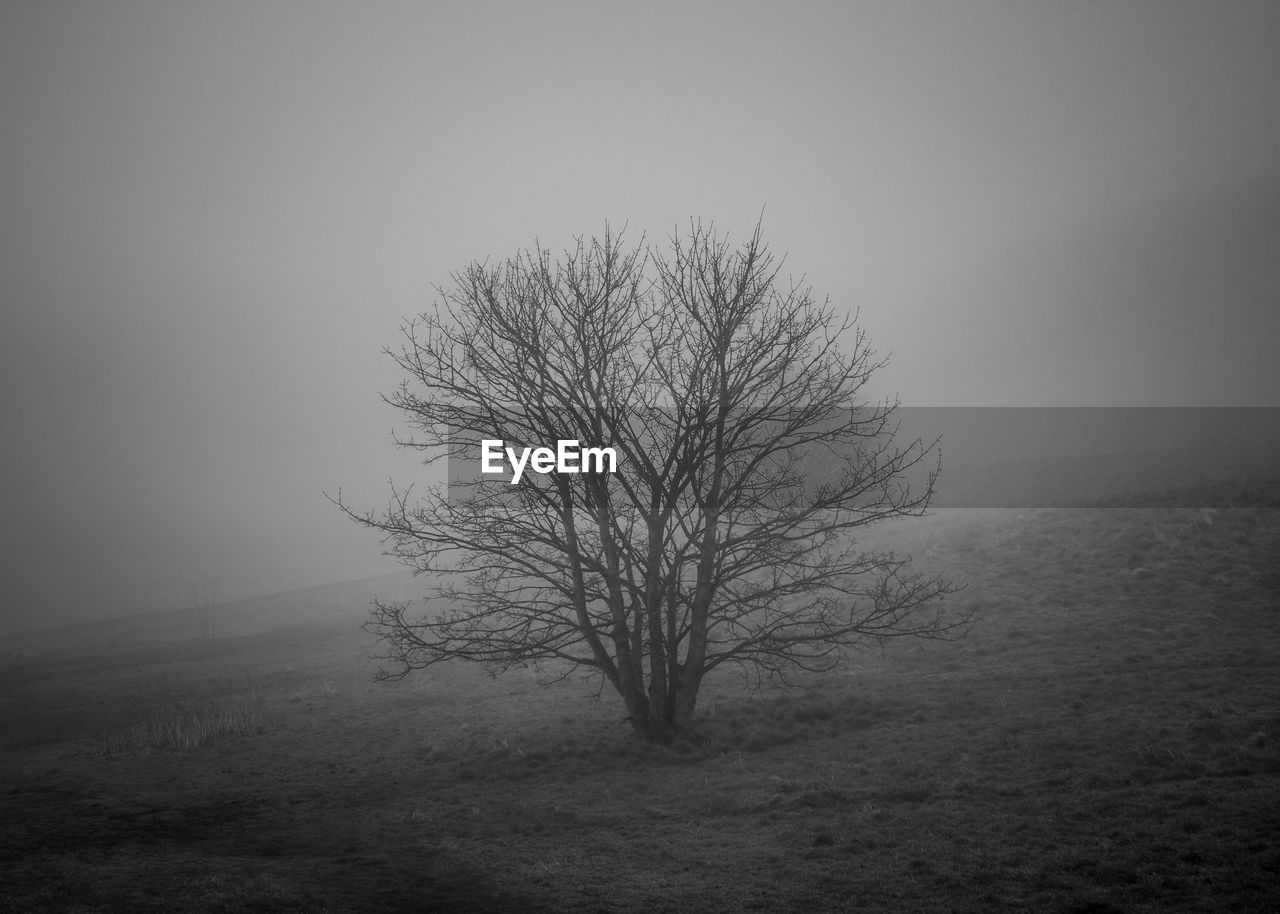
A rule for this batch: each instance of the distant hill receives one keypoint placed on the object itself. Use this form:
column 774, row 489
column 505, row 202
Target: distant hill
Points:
column 1190, row 479
column 1024, row 457
column 311, row 606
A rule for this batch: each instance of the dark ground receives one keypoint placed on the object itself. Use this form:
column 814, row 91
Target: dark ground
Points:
column 1106, row 739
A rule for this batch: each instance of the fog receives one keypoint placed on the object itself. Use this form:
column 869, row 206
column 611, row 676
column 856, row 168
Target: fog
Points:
column 215, row 216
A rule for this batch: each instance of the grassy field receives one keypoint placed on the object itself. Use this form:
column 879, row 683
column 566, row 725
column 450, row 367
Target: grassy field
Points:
column 1107, row 738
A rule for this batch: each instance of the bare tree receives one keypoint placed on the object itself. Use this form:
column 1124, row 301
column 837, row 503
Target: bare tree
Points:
column 747, row 461
column 205, row 601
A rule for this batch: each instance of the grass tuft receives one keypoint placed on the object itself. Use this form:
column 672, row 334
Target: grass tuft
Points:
column 182, row 727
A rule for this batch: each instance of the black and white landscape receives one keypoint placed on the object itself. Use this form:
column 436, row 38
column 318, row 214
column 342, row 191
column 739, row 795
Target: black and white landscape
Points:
column 1051, row 235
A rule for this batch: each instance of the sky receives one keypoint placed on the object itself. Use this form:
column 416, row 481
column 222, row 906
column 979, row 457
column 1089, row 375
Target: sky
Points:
column 214, row 216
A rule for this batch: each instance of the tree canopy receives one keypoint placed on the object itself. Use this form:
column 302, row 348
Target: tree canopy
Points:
column 748, row 464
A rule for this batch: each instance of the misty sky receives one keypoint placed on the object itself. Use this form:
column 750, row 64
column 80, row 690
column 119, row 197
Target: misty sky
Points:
column 216, row 214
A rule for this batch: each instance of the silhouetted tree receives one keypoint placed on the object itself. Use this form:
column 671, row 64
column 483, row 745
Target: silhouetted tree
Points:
column 747, row 461
column 205, row 601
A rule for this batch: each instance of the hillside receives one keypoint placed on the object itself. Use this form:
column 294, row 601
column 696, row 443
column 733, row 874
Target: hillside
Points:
column 1106, row 739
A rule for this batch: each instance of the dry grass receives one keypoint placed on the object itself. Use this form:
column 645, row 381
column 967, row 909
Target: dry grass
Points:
column 1107, row 739
column 178, row 728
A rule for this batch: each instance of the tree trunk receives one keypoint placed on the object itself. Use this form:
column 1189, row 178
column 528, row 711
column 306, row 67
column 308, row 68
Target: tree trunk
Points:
column 638, row 712
column 653, row 599
column 687, row 697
